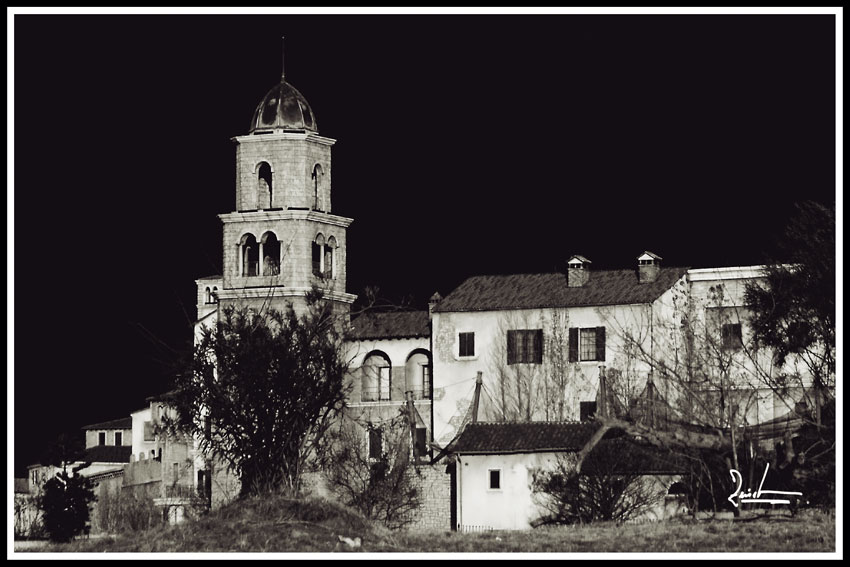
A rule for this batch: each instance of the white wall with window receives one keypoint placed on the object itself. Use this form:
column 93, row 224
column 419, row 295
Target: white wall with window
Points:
column 494, row 491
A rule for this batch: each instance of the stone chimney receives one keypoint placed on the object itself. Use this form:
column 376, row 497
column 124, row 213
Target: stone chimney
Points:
column 578, row 271
column 649, row 265
column 432, row 303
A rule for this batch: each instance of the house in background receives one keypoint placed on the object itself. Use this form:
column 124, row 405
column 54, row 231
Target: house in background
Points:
column 546, row 343
column 539, row 340
column 115, row 433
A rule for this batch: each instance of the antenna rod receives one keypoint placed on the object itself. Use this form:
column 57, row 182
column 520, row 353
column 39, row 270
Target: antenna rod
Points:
column 282, row 57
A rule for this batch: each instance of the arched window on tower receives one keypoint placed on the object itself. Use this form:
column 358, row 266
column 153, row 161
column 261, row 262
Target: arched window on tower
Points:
column 249, row 254
column 270, row 246
column 265, row 191
column 330, row 259
column 208, row 296
column 317, row 177
column 215, row 294
column 318, row 255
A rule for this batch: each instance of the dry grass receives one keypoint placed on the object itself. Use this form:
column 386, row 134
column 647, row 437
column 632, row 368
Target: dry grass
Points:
column 275, row 524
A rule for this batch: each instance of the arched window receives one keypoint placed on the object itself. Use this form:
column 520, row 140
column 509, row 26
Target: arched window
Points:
column 376, row 381
column 318, row 254
column 329, row 267
column 270, row 247
column 208, row 296
column 215, row 294
column 248, row 255
column 417, row 372
column 318, row 173
column 265, row 191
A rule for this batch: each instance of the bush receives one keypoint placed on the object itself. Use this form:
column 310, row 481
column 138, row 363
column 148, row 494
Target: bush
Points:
column 123, row 511
column 65, row 506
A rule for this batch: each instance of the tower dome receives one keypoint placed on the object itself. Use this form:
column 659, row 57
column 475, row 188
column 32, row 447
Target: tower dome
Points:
column 283, row 108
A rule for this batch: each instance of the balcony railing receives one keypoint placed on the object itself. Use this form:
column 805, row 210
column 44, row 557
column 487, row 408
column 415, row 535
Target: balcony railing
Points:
column 375, row 395
column 180, row 491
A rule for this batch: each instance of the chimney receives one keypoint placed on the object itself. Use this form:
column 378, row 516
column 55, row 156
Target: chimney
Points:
column 649, row 265
column 578, row 271
column 432, row 303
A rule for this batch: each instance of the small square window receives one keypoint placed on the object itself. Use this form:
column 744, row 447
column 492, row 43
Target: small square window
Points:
column 466, row 344
column 587, row 410
column 495, row 479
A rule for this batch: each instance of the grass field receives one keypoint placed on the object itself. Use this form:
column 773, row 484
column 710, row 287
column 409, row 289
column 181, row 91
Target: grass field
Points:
column 282, row 525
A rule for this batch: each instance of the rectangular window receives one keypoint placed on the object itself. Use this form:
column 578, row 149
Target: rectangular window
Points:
column 421, row 441
column 176, row 471
column 587, row 410
column 317, row 259
column 495, row 479
column 525, row 346
column 384, row 383
column 587, row 344
column 426, row 381
column 118, row 439
column 731, row 336
column 466, row 343
column 101, row 438
column 375, row 441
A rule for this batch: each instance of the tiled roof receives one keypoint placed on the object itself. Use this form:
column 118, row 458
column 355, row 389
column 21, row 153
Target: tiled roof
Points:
column 529, row 437
column 532, row 291
column 108, row 454
column 123, row 423
column 614, row 454
column 391, row 325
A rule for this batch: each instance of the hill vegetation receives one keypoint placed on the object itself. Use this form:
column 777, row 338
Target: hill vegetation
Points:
column 279, row 525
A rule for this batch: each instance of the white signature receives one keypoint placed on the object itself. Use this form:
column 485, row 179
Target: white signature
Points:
column 750, row 496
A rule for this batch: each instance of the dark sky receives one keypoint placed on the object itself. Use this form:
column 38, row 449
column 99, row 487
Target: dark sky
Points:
column 466, row 145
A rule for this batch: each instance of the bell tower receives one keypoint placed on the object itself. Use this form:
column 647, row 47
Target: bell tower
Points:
column 282, row 239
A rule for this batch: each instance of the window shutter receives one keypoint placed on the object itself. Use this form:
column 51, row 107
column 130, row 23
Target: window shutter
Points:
column 573, row 344
column 511, row 347
column 538, row 346
column 600, row 343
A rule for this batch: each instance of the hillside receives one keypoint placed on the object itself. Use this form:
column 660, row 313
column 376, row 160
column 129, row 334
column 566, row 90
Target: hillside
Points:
column 275, row 524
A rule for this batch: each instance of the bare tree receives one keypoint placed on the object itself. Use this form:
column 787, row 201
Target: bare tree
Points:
column 530, row 375
column 691, row 380
column 369, row 465
column 610, row 487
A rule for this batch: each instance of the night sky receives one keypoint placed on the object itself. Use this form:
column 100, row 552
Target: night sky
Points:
column 466, row 145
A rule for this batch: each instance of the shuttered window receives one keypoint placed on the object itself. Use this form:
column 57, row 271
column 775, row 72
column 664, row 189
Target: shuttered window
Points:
column 587, row 344
column 466, row 344
column 525, row 346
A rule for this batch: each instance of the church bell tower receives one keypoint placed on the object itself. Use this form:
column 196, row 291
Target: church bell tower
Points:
column 282, row 239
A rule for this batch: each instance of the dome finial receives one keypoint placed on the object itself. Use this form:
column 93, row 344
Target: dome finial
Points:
column 282, row 58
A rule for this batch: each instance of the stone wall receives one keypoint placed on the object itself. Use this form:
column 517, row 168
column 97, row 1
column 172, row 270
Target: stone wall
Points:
column 434, row 512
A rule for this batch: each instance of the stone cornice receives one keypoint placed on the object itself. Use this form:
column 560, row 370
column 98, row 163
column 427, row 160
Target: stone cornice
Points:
column 289, row 214
column 265, row 292
column 308, row 136
column 726, row 273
